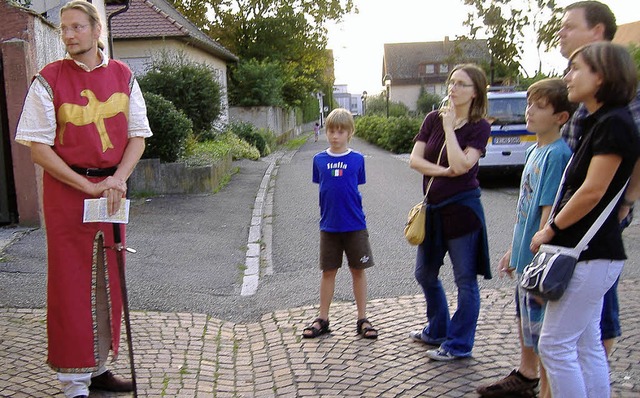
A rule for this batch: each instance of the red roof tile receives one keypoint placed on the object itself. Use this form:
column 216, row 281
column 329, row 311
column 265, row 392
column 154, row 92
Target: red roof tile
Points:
column 153, row 19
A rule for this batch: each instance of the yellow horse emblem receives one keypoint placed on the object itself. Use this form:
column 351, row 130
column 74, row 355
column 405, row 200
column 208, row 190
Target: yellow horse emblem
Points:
column 94, row 112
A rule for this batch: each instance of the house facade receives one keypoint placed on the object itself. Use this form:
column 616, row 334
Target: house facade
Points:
column 345, row 99
column 149, row 28
column 412, row 67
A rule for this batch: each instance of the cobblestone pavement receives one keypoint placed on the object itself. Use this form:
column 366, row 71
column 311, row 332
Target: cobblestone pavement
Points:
column 194, row 355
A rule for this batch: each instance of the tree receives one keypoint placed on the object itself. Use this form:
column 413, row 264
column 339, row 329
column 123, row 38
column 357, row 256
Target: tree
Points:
column 290, row 33
column 507, row 24
column 377, row 105
column 427, row 101
column 255, row 83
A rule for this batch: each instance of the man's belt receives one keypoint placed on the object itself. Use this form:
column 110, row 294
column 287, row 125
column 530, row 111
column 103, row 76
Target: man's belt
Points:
column 109, row 171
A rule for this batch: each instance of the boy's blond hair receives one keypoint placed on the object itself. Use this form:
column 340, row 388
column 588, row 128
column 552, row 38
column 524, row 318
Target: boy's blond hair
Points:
column 341, row 118
column 552, row 91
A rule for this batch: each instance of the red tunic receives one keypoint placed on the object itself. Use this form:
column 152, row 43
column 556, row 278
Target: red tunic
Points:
column 91, row 114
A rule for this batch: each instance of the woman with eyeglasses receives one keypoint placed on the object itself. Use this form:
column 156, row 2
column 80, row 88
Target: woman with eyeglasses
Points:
column 603, row 77
column 446, row 152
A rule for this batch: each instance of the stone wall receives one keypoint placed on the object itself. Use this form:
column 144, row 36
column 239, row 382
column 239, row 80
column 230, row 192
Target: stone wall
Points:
column 27, row 43
column 278, row 120
column 150, row 177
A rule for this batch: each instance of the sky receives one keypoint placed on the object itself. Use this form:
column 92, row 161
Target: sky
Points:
column 358, row 41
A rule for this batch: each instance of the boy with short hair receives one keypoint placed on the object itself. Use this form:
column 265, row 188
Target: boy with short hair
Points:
column 343, row 229
column 548, row 108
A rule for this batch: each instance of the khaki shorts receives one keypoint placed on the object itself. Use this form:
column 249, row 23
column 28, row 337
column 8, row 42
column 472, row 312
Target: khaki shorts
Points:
column 354, row 244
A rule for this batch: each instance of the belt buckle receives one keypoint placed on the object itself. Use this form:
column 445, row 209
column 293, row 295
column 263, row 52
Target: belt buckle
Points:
column 91, row 171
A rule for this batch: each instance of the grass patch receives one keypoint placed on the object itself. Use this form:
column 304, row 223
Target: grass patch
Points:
column 226, row 179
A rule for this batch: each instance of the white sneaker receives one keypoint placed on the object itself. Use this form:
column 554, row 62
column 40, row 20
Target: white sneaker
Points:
column 441, row 355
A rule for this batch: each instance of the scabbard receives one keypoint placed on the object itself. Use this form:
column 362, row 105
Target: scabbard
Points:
column 117, row 238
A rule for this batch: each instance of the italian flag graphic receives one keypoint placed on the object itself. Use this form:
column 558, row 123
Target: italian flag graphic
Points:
column 336, row 172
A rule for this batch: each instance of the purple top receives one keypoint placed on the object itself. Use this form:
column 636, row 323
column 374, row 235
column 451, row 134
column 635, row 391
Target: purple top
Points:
column 473, row 135
column 457, row 220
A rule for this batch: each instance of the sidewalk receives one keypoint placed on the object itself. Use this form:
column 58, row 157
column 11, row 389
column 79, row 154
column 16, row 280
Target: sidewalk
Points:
column 193, row 354
column 189, row 355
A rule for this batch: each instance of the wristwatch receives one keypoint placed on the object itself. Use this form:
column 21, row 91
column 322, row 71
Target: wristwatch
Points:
column 554, row 227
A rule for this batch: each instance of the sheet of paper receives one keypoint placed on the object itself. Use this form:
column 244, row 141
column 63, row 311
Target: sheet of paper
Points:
column 95, row 210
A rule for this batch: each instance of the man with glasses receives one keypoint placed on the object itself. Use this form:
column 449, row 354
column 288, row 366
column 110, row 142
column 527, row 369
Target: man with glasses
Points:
column 85, row 121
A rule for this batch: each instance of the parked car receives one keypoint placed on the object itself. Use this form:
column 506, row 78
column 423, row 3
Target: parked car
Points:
column 509, row 138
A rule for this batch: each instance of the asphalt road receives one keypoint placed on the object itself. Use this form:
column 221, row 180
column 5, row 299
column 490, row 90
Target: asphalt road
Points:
column 191, row 248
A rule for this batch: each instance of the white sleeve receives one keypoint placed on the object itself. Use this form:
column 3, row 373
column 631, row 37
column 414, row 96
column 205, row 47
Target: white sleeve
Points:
column 138, row 122
column 38, row 120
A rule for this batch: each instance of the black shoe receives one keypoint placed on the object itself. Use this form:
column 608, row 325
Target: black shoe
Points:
column 513, row 385
column 110, row 382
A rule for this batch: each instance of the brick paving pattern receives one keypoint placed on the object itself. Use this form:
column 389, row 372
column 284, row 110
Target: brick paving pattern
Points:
column 194, row 355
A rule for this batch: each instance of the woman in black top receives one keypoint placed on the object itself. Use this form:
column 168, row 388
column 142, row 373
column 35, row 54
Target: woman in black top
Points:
column 603, row 77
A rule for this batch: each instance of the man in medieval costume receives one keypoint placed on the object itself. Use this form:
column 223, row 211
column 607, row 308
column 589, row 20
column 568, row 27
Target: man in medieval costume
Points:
column 84, row 119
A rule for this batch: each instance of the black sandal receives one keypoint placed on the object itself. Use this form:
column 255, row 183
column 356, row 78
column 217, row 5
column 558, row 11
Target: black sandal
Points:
column 315, row 332
column 365, row 332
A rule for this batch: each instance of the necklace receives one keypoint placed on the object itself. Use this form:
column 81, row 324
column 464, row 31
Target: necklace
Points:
column 459, row 123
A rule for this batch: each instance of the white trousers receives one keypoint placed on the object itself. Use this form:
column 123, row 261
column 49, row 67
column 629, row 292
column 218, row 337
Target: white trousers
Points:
column 74, row 384
column 570, row 346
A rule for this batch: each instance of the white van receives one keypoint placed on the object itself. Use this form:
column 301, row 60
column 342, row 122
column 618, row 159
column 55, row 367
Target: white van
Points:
column 509, row 138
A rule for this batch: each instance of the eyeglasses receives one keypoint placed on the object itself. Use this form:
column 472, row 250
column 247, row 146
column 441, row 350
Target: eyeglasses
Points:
column 73, row 28
column 452, row 85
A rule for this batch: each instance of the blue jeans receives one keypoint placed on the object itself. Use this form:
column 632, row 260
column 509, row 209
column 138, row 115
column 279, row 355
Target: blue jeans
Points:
column 458, row 332
column 610, row 319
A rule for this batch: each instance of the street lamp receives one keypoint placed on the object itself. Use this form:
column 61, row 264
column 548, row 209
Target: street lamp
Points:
column 364, row 102
column 387, row 83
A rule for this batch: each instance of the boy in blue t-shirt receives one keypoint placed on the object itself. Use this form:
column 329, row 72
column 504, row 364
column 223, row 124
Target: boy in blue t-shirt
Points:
column 338, row 171
column 548, row 108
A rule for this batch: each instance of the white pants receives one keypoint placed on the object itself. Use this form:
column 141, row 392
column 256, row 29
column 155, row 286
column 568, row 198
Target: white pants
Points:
column 570, row 346
column 74, row 384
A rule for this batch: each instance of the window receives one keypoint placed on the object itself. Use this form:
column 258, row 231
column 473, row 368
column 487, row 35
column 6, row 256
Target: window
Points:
column 444, row 68
column 430, row 69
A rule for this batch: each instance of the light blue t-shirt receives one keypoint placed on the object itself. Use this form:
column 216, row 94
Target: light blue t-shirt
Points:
column 340, row 201
column 540, row 179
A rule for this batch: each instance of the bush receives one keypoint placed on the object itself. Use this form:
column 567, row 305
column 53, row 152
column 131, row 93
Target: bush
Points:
column 193, row 88
column 262, row 139
column 171, row 128
column 398, row 134
column 394, row 134
column 377, row 105
column 206, row 153
column 427, row 102
column 240, row 149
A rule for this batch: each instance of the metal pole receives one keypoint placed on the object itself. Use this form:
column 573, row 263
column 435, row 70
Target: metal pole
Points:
column 125, row 302
column 387, row 101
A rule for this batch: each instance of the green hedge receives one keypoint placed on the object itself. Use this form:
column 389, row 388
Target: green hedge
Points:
column 193, row 88
column 171, row 129
column 394, row 134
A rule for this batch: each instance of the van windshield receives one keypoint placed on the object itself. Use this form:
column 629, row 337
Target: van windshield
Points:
column 507, row 111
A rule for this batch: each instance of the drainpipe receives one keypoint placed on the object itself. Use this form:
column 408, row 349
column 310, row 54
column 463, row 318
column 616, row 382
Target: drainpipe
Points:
column 119, row 11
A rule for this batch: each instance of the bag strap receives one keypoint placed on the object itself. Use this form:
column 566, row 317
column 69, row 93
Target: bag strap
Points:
column 582, row 245
column 432, row 177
